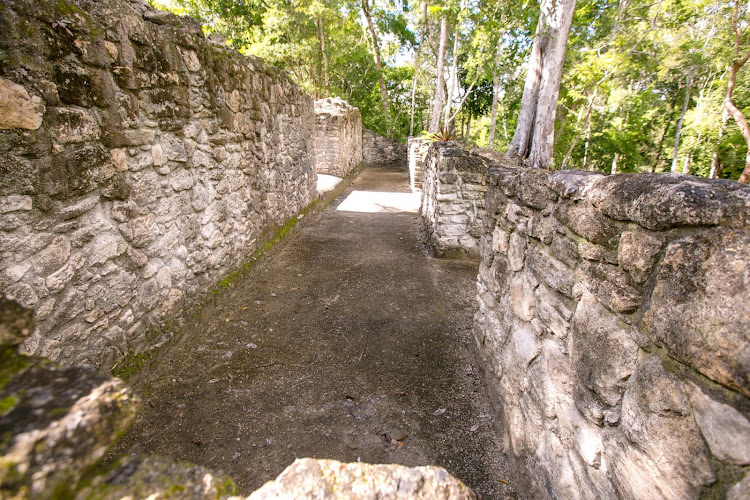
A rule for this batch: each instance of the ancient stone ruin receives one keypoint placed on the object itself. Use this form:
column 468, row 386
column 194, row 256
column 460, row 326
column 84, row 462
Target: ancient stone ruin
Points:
column 453, row 192
column 611, row 323
column 338, row 137
column 142, row 165
column 377, row 149
column 417, row 150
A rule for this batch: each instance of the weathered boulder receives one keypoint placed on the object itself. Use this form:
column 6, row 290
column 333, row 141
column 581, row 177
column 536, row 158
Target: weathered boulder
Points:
column 308, row 479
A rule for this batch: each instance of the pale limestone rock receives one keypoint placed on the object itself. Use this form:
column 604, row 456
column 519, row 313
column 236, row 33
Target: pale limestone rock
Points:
column 311, row 479
column 105, row 246
column 727, row 432
column 522, row 300
column 516, row 250
column 637, row 254
column 157, row 153
column 119, row 159
column 52, row 257
column 17, row 108
column 657, row 451
column 15, row 203
column 741, row 490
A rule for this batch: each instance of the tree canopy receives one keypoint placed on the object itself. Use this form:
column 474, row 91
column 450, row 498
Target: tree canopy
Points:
column 644, row 82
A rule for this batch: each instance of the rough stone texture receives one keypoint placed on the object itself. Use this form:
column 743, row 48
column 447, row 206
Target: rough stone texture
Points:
column 161, row 162
column 453, row 193
column 157, row 477
column 310, row 479
column 338, row 137
column 377, row 149
column 55, row 423
column 17, row 108
column 417, row 150
column 611, row 326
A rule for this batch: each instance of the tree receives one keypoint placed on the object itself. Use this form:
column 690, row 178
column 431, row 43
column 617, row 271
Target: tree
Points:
column 535, row 131
column 737, row 63
column 378, row 59
column 437, row 102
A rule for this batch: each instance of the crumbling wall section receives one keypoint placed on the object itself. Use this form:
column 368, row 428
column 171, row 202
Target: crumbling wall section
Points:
column 139, row 164
column 614, row 332
column 417, row 150
column 453, row 197
column 338, row 137
column 377, row 149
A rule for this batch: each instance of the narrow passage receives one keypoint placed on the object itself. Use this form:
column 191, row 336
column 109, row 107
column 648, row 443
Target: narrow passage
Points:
column 347, row 342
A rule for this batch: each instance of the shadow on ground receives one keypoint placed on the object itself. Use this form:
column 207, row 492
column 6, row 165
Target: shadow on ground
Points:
column 346, row 342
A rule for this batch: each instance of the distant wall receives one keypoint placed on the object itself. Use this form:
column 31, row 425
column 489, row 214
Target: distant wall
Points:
column 453, row 192
column 417, row 150
column 139, row 163
column 613, row 323
column 338, row 137
column 378, row 149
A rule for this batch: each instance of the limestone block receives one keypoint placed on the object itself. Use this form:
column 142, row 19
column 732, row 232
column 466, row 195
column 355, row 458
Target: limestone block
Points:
column 585, row 220
column 551, row 271
column 727, row 432
column 308, row 479
column 533, row 190
column 554, row 311
column 741, row 490
column 17, row 108
column 658, row 202
column 105, row 246
column 603, row 353
column 684, row 314
column 61, row 421
column 610, row 285
column 522, row 300
column 637, row 254
column 657, row 450
column 15, row 203
column 52, row 257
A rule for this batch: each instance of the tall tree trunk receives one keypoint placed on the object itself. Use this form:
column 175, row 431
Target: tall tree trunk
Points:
column 728, row 103
column 437, row 102
column 715, row 165
column 496, row 86
column 416, row 66
column 453, row 77
column 678, row 131
column 586, row 146
column 535, row 133
column 322, row 41
column 378, row 60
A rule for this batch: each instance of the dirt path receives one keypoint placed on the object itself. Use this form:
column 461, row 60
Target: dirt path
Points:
column 346, row 342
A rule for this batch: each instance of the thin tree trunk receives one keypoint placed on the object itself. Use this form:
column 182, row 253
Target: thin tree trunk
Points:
column 535, row 134
column 453, row 79
column 586, row 146
column 468, row 131
column 322, row 40
column 715, row 165
column 728, row 103
column 496, row 87
column 586, row 120
column 613, row 170
column 678, row 131
column 378, row 60
column 437, row 102
column 416, row 66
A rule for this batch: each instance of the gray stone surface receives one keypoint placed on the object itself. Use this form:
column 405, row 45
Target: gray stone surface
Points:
column 417, row 150
column 338, row 137
column 453, row 200
column 128, row 142
column 622, row 268
column 310, row 479
column 377, row 149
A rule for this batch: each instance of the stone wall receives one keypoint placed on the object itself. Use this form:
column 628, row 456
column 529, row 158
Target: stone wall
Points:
column 453, row 193
column 139, row 163
column 338, row 137
column 613, row 323
column 417, row 150
column 378, row 149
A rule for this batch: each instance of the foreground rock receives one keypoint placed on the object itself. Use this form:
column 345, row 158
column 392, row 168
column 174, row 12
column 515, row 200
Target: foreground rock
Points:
column 310, row 479
column 612, row 327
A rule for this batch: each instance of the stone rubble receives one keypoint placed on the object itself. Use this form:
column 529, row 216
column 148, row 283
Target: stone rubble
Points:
column 140, row 164
column 611, row 329
column 417, row 150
